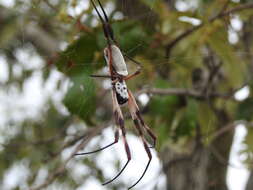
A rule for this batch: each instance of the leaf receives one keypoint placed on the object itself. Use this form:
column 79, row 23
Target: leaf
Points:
column 185, row 120
column 9, row 30
column 206, row 118
column 163, row 106
column 76, row 62
column 233, row 65
column 81, row 98
column 78, row 57
column 248, row 149
column 131, row 36
column 163, row 134
column 245, row 110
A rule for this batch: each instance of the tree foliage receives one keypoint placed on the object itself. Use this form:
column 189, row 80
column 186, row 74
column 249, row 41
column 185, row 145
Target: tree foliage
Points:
column 195, row 58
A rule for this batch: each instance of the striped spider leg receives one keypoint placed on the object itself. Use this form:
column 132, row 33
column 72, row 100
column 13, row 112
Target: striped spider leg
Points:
column 121, row 95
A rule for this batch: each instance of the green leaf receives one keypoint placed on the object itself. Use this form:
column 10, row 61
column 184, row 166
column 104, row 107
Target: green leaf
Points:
column 206, row 118
column 234, row 66
column 76, row 62
column 185, row 120
column 245, row 110
column 248, row 146
column 131, row 36
column 78, row 57
column 80, row 99
column 9, row 29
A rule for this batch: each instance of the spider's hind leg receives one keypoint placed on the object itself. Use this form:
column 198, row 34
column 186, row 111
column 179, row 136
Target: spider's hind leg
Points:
column 134, row 109
column 149, row 131
column 116, row 139
column 119, row 122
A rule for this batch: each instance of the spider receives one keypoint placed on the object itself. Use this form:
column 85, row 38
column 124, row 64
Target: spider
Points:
column 121, row 95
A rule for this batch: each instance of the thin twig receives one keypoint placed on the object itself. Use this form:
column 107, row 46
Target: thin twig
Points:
column 229, row 127
column 224, row 130
column 66, row 145
column 235, row 9
column 184, row 92
column 61, row 169
column 220, row 158
column 224, row 7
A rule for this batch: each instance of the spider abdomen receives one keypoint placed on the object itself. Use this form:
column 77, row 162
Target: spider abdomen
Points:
column 118, row 61
column 121, row 92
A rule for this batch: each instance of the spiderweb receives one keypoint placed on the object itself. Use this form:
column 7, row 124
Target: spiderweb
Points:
column 39, row 85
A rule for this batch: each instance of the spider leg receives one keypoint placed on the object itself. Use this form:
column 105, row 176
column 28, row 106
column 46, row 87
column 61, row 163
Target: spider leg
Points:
column 149, row 131
column 106, row 25
column 136, row 120
column 135, row 109
column 120, row 122
column 99, row 15
column 100, row 76
column 116, row 139
column 105, row 15
column 147, row 151
column 137, row 72
column 133, row 75
column 131, row 59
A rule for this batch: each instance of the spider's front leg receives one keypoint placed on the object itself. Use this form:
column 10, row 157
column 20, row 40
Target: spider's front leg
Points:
column 133, row 75
column 119, row 122
column 139, row 67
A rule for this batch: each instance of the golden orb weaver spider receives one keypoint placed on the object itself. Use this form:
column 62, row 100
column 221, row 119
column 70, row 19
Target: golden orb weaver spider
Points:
column 121, row 95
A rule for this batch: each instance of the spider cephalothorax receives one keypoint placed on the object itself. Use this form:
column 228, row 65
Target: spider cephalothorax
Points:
column 121, row 95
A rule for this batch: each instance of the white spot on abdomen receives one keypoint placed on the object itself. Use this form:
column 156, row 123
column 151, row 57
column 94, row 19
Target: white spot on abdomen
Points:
column 121, row 91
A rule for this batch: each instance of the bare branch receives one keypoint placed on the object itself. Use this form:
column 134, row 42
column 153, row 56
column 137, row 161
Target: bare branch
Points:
column 229, row 127
column 184, row 92
column 220, row 158
column 236, row 9
column 224, row 7
column 41, row 39
column 61, row 169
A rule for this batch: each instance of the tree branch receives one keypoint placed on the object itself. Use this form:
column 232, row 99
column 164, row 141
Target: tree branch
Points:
column 184, row 92
column 61, row 169
column 171, row 44
column 46, row 43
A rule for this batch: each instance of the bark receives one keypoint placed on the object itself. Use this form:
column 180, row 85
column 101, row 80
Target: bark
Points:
column 250, row 181
column 186, row 171
column 202, row 167
column 247, row 40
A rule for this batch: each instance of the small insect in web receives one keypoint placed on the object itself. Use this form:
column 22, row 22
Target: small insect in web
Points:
column 121, row 95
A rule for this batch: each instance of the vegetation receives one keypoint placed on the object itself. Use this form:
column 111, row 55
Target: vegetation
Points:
column 195, row 55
